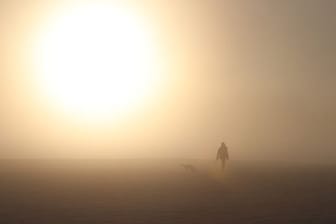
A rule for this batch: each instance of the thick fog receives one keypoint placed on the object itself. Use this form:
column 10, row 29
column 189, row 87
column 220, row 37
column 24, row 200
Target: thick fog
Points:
column 259, row 75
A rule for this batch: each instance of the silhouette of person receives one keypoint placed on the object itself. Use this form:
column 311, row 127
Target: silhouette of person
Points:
column 223, row 154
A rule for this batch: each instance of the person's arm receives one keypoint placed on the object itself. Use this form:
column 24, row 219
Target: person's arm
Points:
column 218, row 155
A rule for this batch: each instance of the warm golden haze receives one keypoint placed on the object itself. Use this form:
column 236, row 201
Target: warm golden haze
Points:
column 97, row 61
column 182, row 77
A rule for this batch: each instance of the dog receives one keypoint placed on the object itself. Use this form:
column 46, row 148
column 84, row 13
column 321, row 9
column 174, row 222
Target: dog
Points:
column 188, row 167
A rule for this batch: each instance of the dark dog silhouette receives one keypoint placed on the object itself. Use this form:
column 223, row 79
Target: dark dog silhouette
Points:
column 188, row 167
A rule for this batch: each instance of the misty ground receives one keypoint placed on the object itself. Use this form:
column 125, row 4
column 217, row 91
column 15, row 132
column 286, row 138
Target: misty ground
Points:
column 161, row 191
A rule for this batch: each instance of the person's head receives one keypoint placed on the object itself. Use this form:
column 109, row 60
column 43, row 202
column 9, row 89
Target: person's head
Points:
column 222, row 144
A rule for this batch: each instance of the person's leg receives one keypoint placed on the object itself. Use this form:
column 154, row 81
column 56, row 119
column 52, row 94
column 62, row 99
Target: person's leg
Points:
column 223, row 164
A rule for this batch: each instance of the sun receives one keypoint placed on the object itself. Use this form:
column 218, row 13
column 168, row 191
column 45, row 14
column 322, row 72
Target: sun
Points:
column 97, row 61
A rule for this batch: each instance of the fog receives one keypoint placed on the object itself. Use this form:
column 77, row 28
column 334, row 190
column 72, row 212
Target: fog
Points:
column 259, row 75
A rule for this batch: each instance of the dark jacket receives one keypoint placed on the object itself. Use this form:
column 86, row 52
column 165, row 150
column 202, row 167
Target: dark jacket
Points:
column 222, row 153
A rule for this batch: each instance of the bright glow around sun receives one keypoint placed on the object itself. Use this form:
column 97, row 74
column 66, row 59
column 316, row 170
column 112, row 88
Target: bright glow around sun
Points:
column 97, row 61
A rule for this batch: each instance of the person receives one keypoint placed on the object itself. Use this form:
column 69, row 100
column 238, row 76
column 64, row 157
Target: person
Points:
column 223, row 154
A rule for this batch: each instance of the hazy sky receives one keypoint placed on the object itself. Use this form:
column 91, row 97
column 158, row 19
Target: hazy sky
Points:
column 259, row 75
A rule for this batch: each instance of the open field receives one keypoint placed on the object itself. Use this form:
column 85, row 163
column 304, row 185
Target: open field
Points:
column 161, row 191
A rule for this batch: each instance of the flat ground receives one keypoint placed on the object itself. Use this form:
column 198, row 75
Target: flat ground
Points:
column 161, row 191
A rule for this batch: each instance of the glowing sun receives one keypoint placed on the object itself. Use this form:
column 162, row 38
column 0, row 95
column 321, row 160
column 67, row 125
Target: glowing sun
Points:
column 97, row 60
